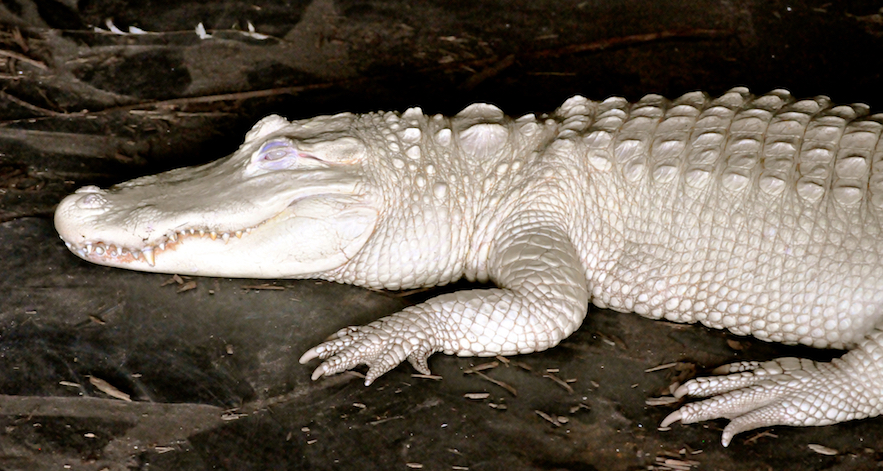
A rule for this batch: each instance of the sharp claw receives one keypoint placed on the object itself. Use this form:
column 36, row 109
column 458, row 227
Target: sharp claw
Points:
column 318, row 372
column 672, row 418
column 681, row 391
column 309, row 356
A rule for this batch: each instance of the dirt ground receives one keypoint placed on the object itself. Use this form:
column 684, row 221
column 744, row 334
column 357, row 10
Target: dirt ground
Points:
column 104, row 369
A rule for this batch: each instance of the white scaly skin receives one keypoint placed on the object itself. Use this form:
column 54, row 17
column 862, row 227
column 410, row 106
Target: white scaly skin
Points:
column 760, row 215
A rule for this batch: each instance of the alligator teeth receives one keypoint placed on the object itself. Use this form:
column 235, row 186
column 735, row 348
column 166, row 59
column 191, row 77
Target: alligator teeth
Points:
column 149, row 257
column 149, row 253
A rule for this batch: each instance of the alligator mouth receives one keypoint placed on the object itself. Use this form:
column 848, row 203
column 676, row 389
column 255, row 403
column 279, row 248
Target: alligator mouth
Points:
column 109, row 251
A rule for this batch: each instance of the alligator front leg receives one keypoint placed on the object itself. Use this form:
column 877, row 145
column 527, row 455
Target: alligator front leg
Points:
column 789, row 391
column 543, row 298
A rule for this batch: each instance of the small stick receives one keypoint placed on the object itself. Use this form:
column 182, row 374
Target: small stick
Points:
column 497, row 382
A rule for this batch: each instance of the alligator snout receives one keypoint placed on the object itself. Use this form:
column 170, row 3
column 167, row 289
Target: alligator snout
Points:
column 76, row 208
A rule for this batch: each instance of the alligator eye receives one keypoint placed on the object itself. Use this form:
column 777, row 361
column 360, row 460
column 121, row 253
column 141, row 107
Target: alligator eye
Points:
column 276, row 155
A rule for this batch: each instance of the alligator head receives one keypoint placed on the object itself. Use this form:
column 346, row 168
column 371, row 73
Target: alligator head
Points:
column 292, row 201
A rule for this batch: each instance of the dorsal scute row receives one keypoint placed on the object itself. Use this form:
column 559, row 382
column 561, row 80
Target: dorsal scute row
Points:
column 735, row 142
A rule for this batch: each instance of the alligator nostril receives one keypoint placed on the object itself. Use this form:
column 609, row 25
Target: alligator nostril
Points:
column 89, row 189
column 91, row 201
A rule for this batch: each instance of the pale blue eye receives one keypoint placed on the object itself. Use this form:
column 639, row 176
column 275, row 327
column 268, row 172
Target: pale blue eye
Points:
column 276, row 155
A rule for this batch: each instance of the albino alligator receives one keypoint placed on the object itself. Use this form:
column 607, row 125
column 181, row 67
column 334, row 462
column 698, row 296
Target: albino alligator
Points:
column 761, row 215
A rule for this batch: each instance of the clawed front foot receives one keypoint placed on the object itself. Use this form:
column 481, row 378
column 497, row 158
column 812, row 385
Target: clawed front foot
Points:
column 786, row 391
column 381, row 345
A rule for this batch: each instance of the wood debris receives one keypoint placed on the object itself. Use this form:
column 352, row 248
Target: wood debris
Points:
column 186, row 286
column 759, row 435
column 477, row 396
column 661, row 401
column 611, row 340
column 381, row 420
column 578, row 407
column 108, row 389
column 264, row 286
column 230, row 416
column 671, row 461
column 674, row 464
column 822, row 449
column 559, row 381
column 174, row 279
column 499, row 383
column 423, row 376
column 662, row 367
column 23, row 58
column 482, row 367
column 555, row 420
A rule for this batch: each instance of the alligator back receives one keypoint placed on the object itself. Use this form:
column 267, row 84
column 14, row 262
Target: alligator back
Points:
column 756, row 214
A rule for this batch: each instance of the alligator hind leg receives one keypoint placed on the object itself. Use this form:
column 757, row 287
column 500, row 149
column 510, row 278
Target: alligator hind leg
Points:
column 789, row 391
